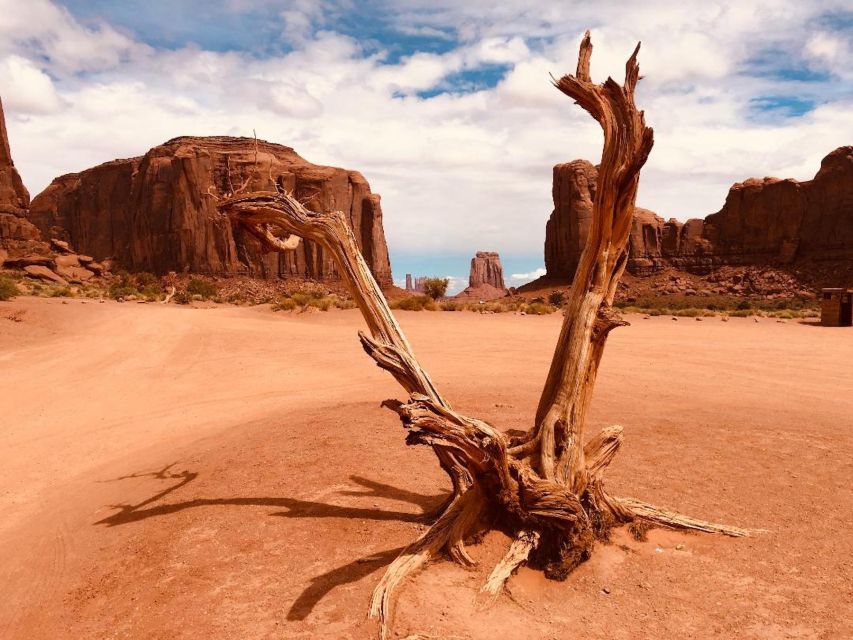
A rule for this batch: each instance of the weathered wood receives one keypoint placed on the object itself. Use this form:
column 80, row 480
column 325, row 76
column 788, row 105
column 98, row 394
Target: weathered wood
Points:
column 588, row 317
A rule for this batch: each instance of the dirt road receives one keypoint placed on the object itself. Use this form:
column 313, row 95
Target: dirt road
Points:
column 170, row 472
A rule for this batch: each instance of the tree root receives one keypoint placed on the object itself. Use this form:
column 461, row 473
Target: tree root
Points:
column 656, row 516
column 447, row 529
column 519, row 551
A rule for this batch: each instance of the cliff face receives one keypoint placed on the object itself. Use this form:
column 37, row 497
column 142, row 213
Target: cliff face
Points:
column 769, row 221
column 18, row 237
column 156, row 212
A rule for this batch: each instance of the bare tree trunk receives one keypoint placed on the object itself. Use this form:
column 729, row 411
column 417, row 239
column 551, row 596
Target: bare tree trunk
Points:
column 546, row 487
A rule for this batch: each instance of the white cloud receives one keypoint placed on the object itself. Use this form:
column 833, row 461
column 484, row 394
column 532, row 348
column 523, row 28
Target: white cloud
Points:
column 27, row 88
column 457, row 172
column 518, row 279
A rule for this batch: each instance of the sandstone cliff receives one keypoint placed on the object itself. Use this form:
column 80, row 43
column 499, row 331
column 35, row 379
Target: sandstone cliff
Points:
column 18, row 237
column 156, row 212
column 769, row 221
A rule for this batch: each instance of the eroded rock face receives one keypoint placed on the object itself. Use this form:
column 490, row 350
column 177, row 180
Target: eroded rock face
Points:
column 763, row 222
column 14, row 197
column 158, row 212
column 486, row 269
column 18, row 236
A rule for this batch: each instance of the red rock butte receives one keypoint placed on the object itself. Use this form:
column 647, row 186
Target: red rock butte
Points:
column 158, row 213
column 486, row 279
column 763, row 222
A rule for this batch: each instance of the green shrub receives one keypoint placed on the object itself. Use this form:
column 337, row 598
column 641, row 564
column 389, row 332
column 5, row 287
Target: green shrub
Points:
column 323, row 304
column 8, row 288
column 200, row 287
column 539, row 308
column 143, row 280
column 62, row 292
column 414, row 303
column 284, row 304
column 557, row 298
column 435, row 288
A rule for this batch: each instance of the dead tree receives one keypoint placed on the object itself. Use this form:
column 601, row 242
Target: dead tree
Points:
column 545, row 488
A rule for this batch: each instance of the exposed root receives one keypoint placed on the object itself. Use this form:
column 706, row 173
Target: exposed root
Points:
column 516, row 555
column 672, row 520
column 419, row 552
column 464, row 524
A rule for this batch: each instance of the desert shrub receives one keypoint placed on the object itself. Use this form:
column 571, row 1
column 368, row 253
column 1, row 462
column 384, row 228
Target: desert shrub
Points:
column 435, row 288
column 557, row 298
column 414, row 303
column 151, row 292
column 741, row 313
column 62, row 292
column 200, row 287
column 144, row 280
column 118, row 290
column 181, row 297
column 450, row 306
column 539, row 308
column 323, row 304
column 743, row 305
column 300, row 298
column 284, row 304
column 343, row 303
column 8, row 288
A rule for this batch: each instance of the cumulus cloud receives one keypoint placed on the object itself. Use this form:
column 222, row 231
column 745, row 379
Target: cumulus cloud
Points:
column 461, row 163
column 518, row 279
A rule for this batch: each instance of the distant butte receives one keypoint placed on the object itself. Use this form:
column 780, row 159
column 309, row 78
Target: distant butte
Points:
column 766, row 221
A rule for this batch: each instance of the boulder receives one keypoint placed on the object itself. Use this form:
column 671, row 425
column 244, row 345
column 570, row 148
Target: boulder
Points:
column 158, row 212
column 43, row 273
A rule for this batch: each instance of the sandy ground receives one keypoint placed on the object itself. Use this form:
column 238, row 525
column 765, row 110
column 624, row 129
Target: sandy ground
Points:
column 227, row 473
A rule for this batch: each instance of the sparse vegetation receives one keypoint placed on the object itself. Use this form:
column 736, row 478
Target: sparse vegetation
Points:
column 201, row 287
column 557, row 298
column 436, row 288
column 415, row 303
column 735, row 306
column 8, row 288
column 304, row 300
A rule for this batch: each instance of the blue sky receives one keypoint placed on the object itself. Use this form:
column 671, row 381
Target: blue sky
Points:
column 444, row 106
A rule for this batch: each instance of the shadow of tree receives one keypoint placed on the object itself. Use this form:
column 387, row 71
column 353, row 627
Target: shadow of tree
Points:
column 295, row 508
column 351, row 572
column 320, row 585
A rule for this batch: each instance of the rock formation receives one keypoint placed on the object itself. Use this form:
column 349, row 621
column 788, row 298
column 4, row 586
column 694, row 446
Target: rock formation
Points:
column 157, row 212
column 18, row 237
column 763, row 222
column 486, row 279
column 486, row 269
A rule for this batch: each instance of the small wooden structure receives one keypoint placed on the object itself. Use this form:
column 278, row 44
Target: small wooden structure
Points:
column 836, row 307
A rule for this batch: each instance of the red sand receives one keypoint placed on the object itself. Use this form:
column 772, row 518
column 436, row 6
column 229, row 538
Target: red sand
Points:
column 227, row 473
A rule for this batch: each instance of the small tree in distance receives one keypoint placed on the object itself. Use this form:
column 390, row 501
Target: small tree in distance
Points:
column 435, row 288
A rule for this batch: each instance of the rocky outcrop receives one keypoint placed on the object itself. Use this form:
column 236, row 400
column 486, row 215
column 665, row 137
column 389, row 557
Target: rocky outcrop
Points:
column 763, row 222
column 486, row 269
column 14, row 197
column 158, row 212
column 18, row 237
column 486, row 279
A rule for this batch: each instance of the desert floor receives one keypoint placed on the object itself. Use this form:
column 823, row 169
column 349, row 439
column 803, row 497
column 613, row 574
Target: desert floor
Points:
column 171, row 472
